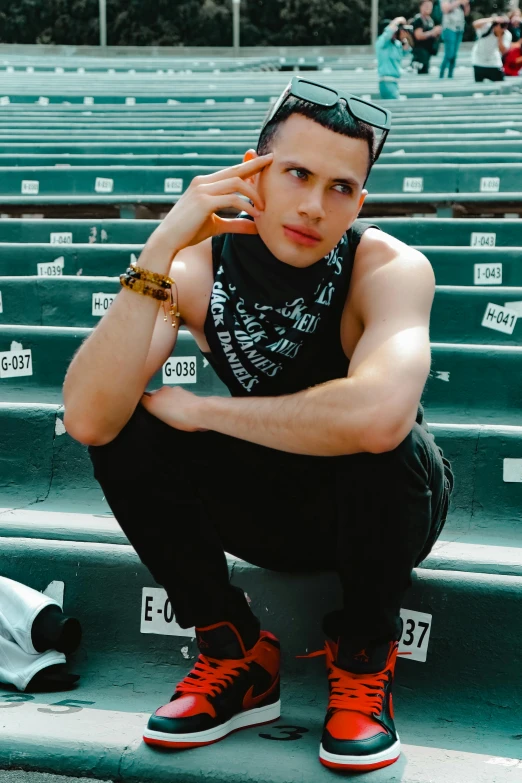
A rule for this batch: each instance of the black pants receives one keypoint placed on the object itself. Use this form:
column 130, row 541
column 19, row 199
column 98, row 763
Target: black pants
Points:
column 183, row 499
column 494, row 74
column 422, row 56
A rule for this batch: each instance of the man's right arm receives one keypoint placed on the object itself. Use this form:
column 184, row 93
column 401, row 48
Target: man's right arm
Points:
column 110, row 371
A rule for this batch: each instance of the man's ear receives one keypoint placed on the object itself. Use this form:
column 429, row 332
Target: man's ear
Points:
column 362, row 197
column 250, row 155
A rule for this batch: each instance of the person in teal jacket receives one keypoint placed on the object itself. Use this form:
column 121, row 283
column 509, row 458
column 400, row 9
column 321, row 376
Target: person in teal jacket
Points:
column 391, row 46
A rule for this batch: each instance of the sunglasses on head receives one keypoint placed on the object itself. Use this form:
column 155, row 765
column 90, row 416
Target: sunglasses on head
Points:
column 362, row 110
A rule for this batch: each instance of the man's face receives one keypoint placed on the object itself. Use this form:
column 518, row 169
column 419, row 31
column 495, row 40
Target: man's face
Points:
column 426, row 8
column 314, row 184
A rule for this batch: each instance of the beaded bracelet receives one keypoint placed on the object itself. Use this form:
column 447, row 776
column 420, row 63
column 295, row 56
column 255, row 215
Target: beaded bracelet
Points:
column 140, row 286
column 152, row 277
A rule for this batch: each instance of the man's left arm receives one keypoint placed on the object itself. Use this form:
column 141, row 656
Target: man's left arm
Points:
column 374, row 408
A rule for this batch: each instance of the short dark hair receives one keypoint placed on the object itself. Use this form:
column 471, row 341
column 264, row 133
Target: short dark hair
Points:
column 336, row 118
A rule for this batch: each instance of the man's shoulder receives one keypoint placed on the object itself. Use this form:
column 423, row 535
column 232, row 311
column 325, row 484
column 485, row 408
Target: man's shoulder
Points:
column 377, row 247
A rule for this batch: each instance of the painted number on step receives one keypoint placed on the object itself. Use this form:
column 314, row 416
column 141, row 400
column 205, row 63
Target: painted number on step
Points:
column 51, row 269
column 482, row 239
column 104, row 185
column 157, row 615
column 286, row 733
column 101, row 303
column 413, row 185
column 30, row 187
column 173, row 185
column 14, row 364
column 415, row 634
column 489, row 184
column 501, row 319
column 11, row 700
column 180, row 369
column 487, row 274
column 61, row 238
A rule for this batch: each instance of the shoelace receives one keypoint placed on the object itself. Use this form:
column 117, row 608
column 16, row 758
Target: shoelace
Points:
column 210, row 675
column 368, row 689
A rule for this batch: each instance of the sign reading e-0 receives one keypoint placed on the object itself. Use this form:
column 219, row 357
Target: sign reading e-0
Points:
column 157, row 615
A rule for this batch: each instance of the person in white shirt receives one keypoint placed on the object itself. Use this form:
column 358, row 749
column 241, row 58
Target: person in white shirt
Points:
column 493, row 41
column 454, row 14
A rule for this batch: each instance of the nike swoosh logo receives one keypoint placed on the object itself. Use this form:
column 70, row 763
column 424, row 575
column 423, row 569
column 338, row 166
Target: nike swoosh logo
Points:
column 250, row 701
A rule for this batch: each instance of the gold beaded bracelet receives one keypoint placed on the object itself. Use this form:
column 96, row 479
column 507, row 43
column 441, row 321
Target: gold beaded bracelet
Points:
column 152, row 277
column 140, row 286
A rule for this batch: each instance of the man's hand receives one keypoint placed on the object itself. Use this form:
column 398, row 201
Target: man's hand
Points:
column 192, row 219
column 176, row 406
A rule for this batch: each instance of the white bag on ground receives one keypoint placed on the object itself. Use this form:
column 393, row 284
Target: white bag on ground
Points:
column 19, row 661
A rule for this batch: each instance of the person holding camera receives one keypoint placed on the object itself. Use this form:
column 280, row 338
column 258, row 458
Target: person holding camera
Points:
column 493, row 41
column 392, row 45
column 454, row 14
column 426, row 34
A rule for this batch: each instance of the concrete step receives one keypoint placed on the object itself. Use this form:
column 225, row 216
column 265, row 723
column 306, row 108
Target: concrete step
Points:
column 492, row 232
column 459, row 313
column 102, row 739
column 44, row 469
column 453, row 265
column 466, row 612
column 465, row 380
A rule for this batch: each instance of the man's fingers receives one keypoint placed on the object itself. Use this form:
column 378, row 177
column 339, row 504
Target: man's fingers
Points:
column 235, row 185
column 240, row 170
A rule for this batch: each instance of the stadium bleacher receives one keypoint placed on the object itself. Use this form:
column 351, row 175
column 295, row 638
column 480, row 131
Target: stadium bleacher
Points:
column 93, row 151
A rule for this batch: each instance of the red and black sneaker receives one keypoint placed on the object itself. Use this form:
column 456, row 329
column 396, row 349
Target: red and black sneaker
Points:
column 359, row 731
column 229, row 688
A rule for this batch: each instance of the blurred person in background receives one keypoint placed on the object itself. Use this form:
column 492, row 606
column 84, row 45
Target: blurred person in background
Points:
column 515, row 27
column 454, row 14
column 493, row 41
column 394, row 42
column 513, row 59
column 425, row 33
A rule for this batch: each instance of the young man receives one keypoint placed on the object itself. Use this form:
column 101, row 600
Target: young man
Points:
column 321, row 459
column 426, row 34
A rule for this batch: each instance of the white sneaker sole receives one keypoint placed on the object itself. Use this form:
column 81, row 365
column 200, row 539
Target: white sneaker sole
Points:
column 242, row 720
column 360, row 762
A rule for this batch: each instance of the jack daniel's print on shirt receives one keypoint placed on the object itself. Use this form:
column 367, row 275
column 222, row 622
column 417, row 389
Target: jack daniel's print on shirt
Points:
column 272, row 328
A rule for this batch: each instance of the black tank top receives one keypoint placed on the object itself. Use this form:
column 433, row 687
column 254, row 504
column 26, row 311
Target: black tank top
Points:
column 272, row 328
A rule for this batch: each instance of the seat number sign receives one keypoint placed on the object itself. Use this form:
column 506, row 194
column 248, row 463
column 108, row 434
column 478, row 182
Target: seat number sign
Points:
column 482, row 239
column 415, row 634
column 180, row 369
column 487, row 274
column 51, row 269
column 413, row 185
column 104, row 185
column 173, row 185
column 489, row 184
column 101, row 303
column 499, row 318
column 14, row 364
column 30, row 187
column 157, row 615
